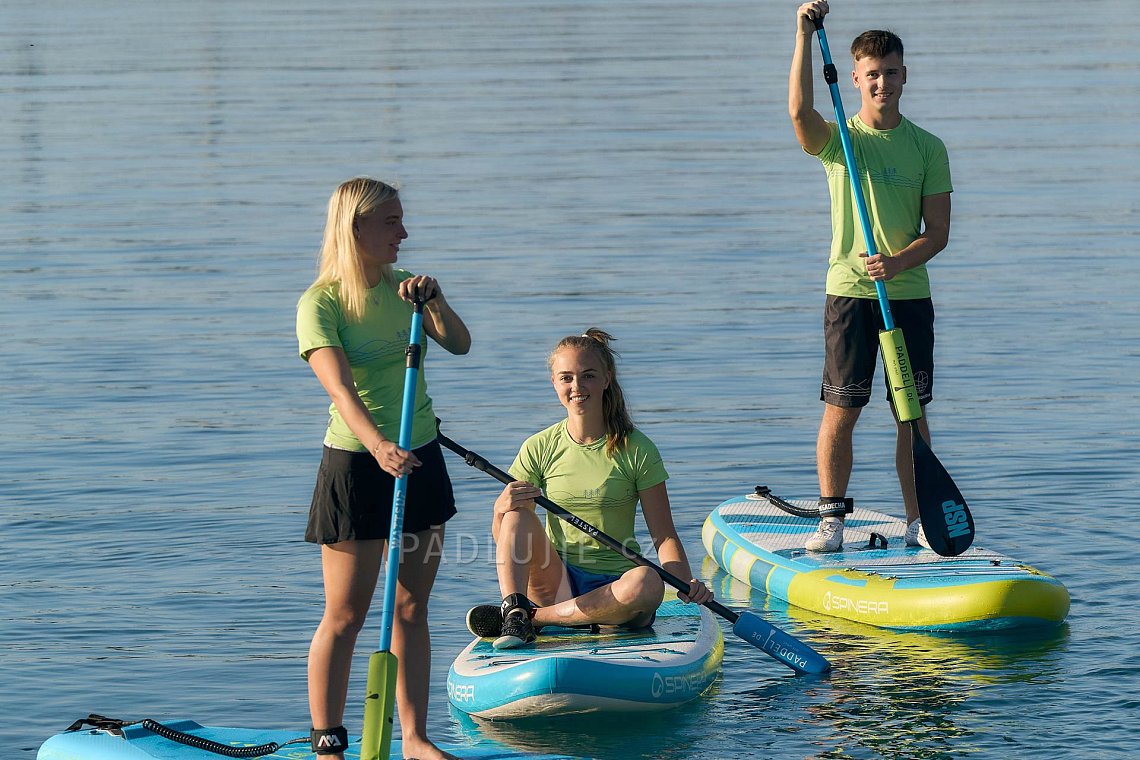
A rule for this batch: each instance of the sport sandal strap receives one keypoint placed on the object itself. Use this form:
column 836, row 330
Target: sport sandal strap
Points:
column 518, row 602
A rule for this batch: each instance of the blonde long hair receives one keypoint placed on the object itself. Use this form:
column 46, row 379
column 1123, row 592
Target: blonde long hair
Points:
column 340, row 258
column 618, row 422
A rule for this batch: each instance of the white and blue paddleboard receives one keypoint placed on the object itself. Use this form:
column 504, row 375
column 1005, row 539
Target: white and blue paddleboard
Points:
column 571, row 670
column 134, row 742
column 876, row 579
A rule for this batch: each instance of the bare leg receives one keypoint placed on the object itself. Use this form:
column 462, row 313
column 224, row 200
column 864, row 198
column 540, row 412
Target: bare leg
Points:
column 350, row 571
column 904, row 465
column 630, row 600
column 411, row 640
column 526, row 561
column 833, row 451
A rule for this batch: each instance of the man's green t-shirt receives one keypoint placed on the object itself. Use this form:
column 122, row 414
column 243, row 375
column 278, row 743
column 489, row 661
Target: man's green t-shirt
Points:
column 898, row 168
column 376, row 350
column 601, row 490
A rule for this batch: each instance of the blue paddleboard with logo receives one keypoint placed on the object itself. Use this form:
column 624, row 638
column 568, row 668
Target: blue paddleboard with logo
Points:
column 876, row 579
column 571, row 670
column 104, row 738
column 197, row 742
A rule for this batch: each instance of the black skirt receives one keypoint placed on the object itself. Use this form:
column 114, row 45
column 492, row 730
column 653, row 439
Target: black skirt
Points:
column 352, row 500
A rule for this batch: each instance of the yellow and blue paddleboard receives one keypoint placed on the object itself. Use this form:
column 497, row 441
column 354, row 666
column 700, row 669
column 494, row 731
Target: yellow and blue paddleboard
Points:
column 876, row 579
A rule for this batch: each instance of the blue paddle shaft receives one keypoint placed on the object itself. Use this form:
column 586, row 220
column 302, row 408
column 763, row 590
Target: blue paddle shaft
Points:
column 400, row 492
column 831, row 77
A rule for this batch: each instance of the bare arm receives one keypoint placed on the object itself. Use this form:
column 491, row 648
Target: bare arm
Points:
column 670, row 552
column 810, row 127
column 440, row 321
column 935, row 235
column 331, row 367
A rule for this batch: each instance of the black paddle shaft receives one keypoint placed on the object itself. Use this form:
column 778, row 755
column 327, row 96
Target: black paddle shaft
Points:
column 479, row 463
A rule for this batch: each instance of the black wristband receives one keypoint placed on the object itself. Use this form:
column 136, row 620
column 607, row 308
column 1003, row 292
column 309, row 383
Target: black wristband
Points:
column 329, row 741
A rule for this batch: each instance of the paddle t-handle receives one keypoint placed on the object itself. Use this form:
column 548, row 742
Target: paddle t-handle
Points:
column 778, row 644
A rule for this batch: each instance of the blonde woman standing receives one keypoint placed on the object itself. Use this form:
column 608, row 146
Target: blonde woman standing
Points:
column 353, row 329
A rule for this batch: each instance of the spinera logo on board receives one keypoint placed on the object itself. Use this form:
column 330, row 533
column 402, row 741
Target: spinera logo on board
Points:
column 461, row 692
column 670, row 685
column 834, row 602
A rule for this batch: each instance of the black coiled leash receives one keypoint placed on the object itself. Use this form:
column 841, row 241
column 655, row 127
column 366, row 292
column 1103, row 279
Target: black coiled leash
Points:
column 209, row 745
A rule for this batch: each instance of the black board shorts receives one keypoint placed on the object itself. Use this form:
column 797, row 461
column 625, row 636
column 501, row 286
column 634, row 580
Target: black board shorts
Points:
column 352, row 500
column 851, row 335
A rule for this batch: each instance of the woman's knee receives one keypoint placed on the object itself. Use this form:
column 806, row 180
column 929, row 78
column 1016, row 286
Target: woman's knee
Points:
column 411, row 610
column 344, row 621
column 518, row 521
column 644, row 586
column 521, row 532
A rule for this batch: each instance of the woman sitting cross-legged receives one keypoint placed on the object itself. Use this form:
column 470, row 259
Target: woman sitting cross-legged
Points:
column 598, row 466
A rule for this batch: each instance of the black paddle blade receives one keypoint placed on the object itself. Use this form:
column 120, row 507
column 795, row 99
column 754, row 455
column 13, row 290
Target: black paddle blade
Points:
column 946, row 519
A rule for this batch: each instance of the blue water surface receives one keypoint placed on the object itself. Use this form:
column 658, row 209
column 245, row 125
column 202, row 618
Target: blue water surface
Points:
column 164, row 169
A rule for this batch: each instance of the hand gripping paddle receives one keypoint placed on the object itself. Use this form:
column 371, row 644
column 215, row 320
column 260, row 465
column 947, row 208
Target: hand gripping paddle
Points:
column 946, row 519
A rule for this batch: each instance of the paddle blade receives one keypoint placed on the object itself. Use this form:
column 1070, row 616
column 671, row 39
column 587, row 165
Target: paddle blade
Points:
column 779, row 645
column 379, row 706
column 946, row 519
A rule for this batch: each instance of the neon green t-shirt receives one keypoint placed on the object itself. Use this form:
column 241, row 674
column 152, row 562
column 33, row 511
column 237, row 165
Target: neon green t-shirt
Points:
column 898, row 168
column 376, row 350
column 601, row 490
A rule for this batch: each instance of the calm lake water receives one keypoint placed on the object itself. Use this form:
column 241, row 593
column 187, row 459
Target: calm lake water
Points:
column 163, row 173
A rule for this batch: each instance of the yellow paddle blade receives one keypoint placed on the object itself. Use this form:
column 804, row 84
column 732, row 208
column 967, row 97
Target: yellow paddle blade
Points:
column 379, row 707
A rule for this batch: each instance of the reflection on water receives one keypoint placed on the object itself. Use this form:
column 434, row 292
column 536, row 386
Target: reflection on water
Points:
column 670, row 735
column 898, row 694
column 626, row 164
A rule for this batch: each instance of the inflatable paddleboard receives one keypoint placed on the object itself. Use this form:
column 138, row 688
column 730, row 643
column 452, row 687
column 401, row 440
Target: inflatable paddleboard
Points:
column 570, row 670
column 876, row 579
column 134, row 742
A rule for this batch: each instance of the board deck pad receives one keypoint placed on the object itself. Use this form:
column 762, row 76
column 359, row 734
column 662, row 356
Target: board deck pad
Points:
column 757, row 542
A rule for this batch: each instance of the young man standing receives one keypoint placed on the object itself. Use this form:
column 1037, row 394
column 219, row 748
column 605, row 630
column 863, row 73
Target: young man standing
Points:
column 906, row 181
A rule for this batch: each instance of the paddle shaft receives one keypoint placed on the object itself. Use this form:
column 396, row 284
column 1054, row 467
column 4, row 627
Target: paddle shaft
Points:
column 400, row 492
column 896, row 362
column 831, row 76
column 752, row 628
column 380, row 687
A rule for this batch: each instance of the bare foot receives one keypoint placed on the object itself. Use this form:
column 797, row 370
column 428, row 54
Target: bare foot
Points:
column 423, row 749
